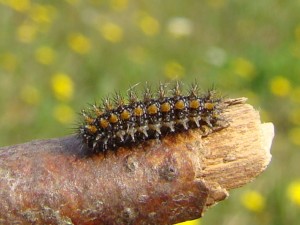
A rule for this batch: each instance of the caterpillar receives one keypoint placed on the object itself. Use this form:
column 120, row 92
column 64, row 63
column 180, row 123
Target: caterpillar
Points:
column 120, row 122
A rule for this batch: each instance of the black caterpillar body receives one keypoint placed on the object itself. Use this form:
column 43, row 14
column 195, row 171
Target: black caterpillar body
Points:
column 119, row 123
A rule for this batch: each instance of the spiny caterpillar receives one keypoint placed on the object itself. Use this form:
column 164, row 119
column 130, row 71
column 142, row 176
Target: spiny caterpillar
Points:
column 119, row 123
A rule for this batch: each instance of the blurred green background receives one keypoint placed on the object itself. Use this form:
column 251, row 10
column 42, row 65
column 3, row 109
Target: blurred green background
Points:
column 58, row 56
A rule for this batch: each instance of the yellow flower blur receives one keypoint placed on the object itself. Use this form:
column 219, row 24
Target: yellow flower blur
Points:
column 111, row 32
column 79, row 43
column 64, row 114
column 18, row 5
column 118, row 5
column 149, row 25
column 280, row 86
column 26, row 33
column 45, row 55
column 42, row 13
column 253, row 201
column 293, row 192
column 244, row 68
column 174, row 70
column 62, row 86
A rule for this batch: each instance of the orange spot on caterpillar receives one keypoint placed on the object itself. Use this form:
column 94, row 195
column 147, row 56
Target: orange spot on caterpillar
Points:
column 179, row 105
column 104, row 123
column 152, row 109
column 194, row 104
column 165, row 107
column 138, row 111
column 113, row 118
column 209, row 105
column 125, row 115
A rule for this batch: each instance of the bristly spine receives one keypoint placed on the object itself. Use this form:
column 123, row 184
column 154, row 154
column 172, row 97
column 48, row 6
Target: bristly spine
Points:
column 118, row 122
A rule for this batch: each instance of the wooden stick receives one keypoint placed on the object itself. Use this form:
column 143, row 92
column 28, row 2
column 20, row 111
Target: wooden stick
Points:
column 159, row 182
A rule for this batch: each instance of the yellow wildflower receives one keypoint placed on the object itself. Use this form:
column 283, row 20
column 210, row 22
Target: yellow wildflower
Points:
column 253, row 201
column 111, row 32
column 149, row 25
column 280, row 86
column 190, row 222
column 45, row 55
column 30, row 95
column 294, row 135
column 42, row 13
column 244, row 68
column 26, row 33
column 64, row 114
column 79, row 43
column 174, row 70
column 118, row 5
column 293, row 192
column 62, row 86
column 19, row 5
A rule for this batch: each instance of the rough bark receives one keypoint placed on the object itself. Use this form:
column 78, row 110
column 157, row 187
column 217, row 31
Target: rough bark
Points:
column 159, row 182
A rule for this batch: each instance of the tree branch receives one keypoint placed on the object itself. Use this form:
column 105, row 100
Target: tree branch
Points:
column 159, row 182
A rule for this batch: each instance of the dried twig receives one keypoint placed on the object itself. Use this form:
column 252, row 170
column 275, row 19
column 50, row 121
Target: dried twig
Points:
column 159, row 182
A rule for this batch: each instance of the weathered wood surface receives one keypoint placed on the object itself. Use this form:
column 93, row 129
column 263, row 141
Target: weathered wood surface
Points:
column 160, row 182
